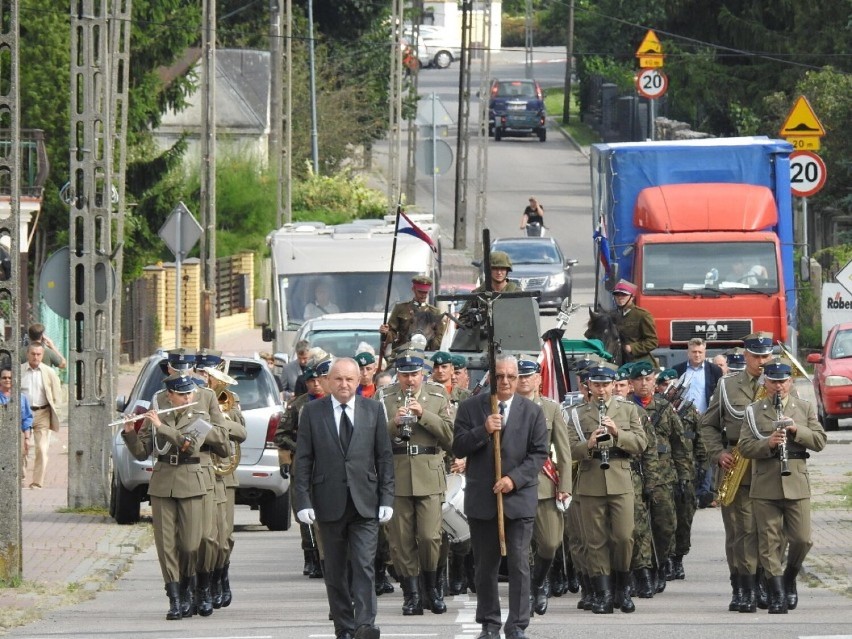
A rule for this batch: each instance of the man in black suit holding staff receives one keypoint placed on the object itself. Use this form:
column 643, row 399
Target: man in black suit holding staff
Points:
column 344, row 481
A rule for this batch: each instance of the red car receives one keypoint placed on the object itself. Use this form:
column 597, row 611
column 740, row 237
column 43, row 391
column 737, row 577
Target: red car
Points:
column 833, row 376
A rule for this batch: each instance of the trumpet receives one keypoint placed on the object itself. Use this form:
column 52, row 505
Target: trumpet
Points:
column 604, row 438
column 781, row 423
column 162, row 411
column 407, row 421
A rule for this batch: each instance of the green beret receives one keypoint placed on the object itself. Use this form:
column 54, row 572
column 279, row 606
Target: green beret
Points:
column 667, row 375
column 641, row 369
column 459, row 361
column 365, row 358
column 442, row 357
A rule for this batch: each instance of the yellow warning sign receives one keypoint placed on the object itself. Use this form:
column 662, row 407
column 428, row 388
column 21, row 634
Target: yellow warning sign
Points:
column 802, row 122
column 650, row 45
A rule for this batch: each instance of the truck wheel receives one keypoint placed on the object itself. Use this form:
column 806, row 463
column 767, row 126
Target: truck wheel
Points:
column 542, row 135
column 127, row 503
column 275, row 512
column 498, row 134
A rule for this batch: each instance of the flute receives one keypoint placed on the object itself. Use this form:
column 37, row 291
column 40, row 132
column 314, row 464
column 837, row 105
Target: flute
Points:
column 163, row 411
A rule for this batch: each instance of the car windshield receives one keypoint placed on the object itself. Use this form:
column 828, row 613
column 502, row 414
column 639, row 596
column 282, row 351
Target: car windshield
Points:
column 530, row 252
column 515, row 89
column 725, row 266
column 841, row 347
column 344, row 342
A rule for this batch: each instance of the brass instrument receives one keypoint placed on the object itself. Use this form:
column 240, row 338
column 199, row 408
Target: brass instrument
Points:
column 734, row 475
column 781, row 423
column 407, row 421
column 218, row 381
column 604, row 438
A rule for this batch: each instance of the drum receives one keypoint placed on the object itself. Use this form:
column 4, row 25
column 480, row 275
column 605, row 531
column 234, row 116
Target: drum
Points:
column 452, row 510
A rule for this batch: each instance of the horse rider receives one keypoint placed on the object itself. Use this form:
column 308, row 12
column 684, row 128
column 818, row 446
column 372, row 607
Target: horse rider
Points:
column 407, row 316
column 635, row 325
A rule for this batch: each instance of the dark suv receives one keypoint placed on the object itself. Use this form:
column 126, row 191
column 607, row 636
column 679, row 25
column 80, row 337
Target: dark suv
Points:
column 261, row 485
column 516, row 107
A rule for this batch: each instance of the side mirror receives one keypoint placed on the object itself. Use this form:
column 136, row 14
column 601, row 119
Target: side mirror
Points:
column 814, row 358
column 261, row 312
column 805, row 268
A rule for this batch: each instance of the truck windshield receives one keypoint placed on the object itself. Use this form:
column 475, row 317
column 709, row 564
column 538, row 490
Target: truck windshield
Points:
column 316, row 294
column 726, row 266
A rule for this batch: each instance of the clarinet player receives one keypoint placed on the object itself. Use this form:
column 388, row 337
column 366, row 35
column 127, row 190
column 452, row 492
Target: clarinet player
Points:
column 781, row 429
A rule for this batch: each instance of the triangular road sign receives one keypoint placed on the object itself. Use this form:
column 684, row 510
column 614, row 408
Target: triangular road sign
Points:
column 650, row 45
column 802, row 121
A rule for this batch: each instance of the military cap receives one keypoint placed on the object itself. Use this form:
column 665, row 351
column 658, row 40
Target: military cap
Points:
column 778, row 369
column 624, row 288
column 365, row 359
column 422, row 283
column 736, row 359
column 758, row 343
column 182, row 384
column 625, row 369
column 527, row 366
column 207, row 358
column 180, row 359
column 601, row 372
column 501, row 259
column 641, row 369
column 310, row 373
column 409, row 362
column 667, row 375
column 441, row 357
column 459, row 361
column 323, row 366
column 621, row 374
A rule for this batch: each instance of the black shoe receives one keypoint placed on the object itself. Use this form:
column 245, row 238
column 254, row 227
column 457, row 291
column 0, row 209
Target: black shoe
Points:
column 205, row 597
column 227, row 596
column 777, row 596
column 173, row 593
column 538, row 594
column 458, row 576
column 383, row 584
column 792, row 594
column 368, row 632
column 489, row 634
column 517, row 634
column 308, row 568
column 316, row 573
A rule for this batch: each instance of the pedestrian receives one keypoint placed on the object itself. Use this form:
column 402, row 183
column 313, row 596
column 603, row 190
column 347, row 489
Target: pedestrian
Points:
column 532, row 219
column 421, row 429
column 415, row 316
column 636, row 327
column 26, row 414
column 523, row 449
column 722, row 362
column 781, row 429
column 52, row 356
column 700, row 375
column 293, row 369
column 343, row 439
column 179, row 484
column 41, row 385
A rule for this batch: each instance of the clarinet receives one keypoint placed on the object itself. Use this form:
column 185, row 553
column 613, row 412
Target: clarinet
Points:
column 780, row 425
column 603, row 447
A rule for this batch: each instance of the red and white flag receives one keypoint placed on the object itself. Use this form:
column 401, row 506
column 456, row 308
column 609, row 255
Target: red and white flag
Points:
column 405, row 225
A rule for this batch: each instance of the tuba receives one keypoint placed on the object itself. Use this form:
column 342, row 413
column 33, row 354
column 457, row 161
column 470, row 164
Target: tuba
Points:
column 218, row 382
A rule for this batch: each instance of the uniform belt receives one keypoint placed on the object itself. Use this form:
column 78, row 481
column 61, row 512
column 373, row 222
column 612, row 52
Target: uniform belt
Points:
column 40, row 407
column 414, row 449
column 798, row 454
column 614, row 453
column 177, row 460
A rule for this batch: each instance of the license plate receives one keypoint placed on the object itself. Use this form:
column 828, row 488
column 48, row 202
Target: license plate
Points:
column 516, row 107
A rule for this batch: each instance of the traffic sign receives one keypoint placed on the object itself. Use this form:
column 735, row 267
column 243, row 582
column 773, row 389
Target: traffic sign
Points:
column 807, row 173
column 650, row 52
column 802, row 127
column 652, row 83
column 844, row 277
column 440, row 163
column 180, row 231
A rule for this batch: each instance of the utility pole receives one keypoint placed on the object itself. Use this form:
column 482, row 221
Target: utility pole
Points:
column 288, row 115
column 569, row 67
column 395, row 116
column 413, row 85
column 90, row 243
column 11, row 531
column 208, row 175
column 313, row 83
column 528, row 41
column 276, row 108
column 482, row 141
column 463, row 138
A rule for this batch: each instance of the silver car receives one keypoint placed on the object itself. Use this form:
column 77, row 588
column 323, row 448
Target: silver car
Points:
column 261, row 485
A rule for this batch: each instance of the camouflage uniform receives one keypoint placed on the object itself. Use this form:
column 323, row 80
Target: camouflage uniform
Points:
column 685, row 503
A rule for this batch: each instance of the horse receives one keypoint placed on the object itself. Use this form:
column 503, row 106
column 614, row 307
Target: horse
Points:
column 602, row 326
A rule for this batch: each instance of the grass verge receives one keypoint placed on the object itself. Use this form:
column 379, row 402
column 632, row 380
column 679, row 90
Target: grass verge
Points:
column 582, row 134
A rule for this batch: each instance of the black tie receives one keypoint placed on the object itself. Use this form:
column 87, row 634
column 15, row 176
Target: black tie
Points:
column 502, row 406
column 345, row 432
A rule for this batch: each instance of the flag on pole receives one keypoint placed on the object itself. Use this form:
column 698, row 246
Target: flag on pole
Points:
column 549, row 384
column 405, row 225
column 602, row 243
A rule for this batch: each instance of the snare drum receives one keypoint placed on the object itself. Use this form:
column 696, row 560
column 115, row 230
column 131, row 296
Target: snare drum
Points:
column 454, row 521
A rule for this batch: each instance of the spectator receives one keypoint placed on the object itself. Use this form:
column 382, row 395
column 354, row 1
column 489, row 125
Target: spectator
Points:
column 322, row 303
column 43, row 389
column 294, row 369
column 533, row 215
column 52, row 357
column 26, row 415
column 722, row 362
column 699, row 374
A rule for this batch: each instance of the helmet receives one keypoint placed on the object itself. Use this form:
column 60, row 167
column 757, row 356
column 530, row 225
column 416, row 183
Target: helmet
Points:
column 499, row 259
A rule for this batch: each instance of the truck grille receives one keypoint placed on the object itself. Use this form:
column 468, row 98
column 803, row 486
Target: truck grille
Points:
column 710, row 330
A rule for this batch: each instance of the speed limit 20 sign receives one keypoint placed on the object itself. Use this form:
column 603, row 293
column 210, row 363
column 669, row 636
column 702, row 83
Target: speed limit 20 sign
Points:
column 807, row 173
column 652, row 83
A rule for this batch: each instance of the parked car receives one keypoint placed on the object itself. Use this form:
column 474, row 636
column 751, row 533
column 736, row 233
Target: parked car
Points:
column 833, row 376
column 261, row 485
column 516, row 107
column 538, row 264
column 436, row 48
column 340, row 333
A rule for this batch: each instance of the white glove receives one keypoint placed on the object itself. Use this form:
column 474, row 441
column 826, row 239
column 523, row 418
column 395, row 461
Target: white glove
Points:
column 306, row 516
column 562, row 506
column 385, row 514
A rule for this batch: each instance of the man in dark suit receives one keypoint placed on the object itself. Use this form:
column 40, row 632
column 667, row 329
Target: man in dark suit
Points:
column 699, row 373
column 344, row 481
column 523, row 449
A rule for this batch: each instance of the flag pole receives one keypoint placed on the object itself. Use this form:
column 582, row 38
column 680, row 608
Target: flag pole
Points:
column 386, row 340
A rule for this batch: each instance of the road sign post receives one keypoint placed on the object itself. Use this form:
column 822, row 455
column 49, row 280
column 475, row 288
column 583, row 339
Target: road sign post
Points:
column 180, row 232
column 651, row 82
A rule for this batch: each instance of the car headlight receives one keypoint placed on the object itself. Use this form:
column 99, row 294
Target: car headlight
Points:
column 555, row 281
column 837, row 380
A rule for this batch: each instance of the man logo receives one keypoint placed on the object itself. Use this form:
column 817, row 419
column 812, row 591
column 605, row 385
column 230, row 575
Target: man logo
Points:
column 710, row 331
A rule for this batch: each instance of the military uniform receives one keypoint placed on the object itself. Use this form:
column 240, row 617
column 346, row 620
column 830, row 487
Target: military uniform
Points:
column 637, row 329
column 406, row 317
column 685, row 502
column 781, row 504
column 420, row 482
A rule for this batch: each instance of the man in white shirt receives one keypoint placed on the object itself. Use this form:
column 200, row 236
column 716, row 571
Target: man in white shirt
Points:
column 41, row 386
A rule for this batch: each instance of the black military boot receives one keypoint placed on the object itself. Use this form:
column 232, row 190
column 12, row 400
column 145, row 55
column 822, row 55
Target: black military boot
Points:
column 603, row 604
column 668, row 569
column 644, row 586
column 434, row 600
column 216, row 588
column 572, row 578
column 748, row 603
column 316, row 573
column 227, row 596
column 677, row 567
column 777, row 596
column 585, row 593
column 458, row 578
column 441, row 580
column 660, row 584
column 556, row 578
column 791, row 593
column 173, row 593
column 737, row 593
column 622, row 583
column 205, row 598
column 411, row 603
column 760, row 589
column 383, row 584
column 308, row 568
column 187, row 598
column 538, row 595
column 470, row 570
